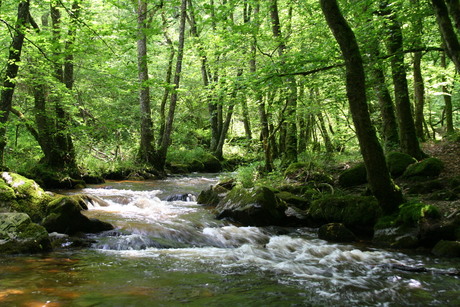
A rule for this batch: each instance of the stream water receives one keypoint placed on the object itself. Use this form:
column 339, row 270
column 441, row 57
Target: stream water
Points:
column 175, row 253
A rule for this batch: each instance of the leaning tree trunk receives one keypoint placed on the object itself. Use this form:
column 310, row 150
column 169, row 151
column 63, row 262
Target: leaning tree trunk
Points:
column 447, row 32
column 387, row 194
column 12, row 68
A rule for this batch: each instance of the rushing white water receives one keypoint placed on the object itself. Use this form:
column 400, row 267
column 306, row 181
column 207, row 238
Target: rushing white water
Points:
column 148, row 227
column 173, row 253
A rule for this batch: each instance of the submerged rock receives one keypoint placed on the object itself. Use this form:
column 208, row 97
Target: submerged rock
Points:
column 19, row 235
column 256, row 207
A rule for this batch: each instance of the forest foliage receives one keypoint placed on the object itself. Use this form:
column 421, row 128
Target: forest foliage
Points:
column 260, row 81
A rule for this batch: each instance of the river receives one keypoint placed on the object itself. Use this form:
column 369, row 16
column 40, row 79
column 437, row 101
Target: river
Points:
column 175, row 253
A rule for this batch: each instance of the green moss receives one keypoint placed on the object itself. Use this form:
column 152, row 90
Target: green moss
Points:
column 430, row 167
column 18, row 193
column 398, row 162
column 354, row 176
column 351, row 210
column 411, row 213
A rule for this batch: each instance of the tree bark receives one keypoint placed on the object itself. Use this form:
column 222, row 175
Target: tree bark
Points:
column 419, row 96
column 290, row 138
column 12, row 68
column 387, row 194
column 163, row 150
column 447, row 32
column 447, row 100
column 146, row 149
column 407, row 134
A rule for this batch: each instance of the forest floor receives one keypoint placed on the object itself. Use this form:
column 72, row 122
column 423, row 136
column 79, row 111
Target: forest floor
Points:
column 449, row 153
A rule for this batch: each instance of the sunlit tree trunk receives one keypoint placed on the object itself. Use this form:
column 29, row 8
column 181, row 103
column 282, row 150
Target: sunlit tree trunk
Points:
column 447, row 100
column 146, row 149
column 163, row 149
column 289, row 139
column 12, row 68
column 387, row 194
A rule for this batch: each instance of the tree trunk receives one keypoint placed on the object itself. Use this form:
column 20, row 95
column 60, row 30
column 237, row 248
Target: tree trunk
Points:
column 387, row 194
column 289, row 139
column 447, row 100
column 12, row 68
column 419, row 96
column 389, row 128
column 407, row 134
column 146, row 149
column 447, row 32
column 163, row 150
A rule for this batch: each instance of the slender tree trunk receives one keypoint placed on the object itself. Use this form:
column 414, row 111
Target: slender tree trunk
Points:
column 63, row 154
column 324, row 133
column 12, row 68
column 387, row 194
column 146, row 149
column 407, row 134
column 419, row 95
column 389, row 125
column 447, row 100
column 290, row 137
column 163, row 150
column 167, row 90
column 454, row 11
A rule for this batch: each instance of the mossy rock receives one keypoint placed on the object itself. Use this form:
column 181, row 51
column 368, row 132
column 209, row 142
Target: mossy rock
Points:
column 64, row 216
column 425, row 187
column 354, row 176
column 211, row 164
column 356, row 212
column 255, row 207
column 177, row 168
column 336, row 232
column 430, row 167
column 20, row 194
column 196, row 166
column 18, row 235
column 302, row 171
column 291, row 199
column 446, row 248
column 212, row 196
column 413, row 212
column 398, row 162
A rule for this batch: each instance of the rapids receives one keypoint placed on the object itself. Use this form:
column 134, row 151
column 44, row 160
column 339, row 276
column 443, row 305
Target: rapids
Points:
column 175, row 253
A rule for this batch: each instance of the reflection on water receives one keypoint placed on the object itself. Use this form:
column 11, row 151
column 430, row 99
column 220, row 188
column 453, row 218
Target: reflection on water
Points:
column 170, row 253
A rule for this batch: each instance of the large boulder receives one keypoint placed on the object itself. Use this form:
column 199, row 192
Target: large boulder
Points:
column 353, row 176
column 20, row 194
column 359, row 213
column 447, row 249
column 255, row 207
column 64, row 216
column 19, row 235
column 430, row 167
column 398, row 162
column 336, row 232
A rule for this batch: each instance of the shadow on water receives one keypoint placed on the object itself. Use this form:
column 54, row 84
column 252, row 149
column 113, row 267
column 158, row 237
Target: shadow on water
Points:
column 175, row 253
